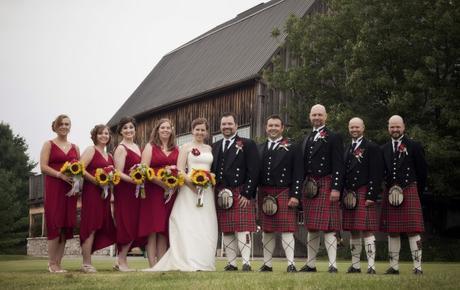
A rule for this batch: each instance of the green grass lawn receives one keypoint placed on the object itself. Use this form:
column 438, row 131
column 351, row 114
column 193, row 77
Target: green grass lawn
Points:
column 21, row 272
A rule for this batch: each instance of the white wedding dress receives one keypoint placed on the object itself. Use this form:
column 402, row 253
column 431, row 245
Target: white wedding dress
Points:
column 192, row 230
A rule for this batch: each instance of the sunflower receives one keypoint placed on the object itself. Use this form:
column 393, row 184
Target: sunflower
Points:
column 150, row 173
column 199, row 177
column 76, row 168
column 65, row 166
column 101, row 176
column 116, row 177
column 137, row 176
column 161, row 173
column 171, row 181
column 213, row 179
column 181, row 180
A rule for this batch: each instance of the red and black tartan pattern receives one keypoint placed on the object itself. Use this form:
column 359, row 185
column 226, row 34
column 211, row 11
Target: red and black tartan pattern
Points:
column 320, row 213
column 285, row 219
column 406, row 218
column 236, row 219
column 362, row 217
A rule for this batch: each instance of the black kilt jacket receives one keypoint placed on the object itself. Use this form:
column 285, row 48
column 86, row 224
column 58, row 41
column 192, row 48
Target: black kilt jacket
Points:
column 278, row 167
column 237, row 167
column 364, row 167
column 322, row 157
column 405, row 167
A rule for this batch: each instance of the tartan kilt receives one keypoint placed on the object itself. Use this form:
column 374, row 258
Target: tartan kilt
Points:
column 285, row 219
column 320, row 213
column 406, row 218
column 236, row 219
column 362, row 217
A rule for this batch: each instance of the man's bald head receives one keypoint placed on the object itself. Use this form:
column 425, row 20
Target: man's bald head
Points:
column 396, row 126
column 318, row 115
column 356, row 127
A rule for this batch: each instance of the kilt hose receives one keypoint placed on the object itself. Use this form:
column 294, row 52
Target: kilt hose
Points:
column 285, row 219
column 406, row 218
column 320, row 213
column 236, row 219
column 362, row 217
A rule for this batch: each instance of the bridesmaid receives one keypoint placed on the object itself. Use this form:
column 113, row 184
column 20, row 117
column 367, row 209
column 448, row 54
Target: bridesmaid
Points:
column 97, row 229
column 154, row 213
column 126, row 205
column 60, row 209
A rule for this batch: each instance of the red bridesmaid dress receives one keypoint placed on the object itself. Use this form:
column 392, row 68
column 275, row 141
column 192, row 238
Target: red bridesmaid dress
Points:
column 127, row 205
column 60, row 210
column 154, row 213
column 96, row 214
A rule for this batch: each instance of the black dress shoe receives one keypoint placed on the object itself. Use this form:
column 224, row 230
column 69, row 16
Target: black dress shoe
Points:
column 291, row 269
column 417, row 272
column 230, row 267
column 392, row 271
column 371, row 271
column 264, row 268
column 332, row 269
column 352, row 269
column 246, row 268
column 306, row 268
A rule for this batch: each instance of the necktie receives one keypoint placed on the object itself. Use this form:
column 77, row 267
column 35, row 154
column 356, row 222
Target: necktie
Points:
column 227, row 143
column 395, row 146
column 313, row 134
column 353, row 146
column 272, row 145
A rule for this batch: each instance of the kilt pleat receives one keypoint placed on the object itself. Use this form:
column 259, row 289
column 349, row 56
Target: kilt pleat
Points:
column 320, row 213
column 236, row 219
column 285, row 219
column 406, row 218
column 362, row 217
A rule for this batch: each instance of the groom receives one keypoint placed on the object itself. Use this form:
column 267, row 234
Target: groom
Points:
column 236, row 165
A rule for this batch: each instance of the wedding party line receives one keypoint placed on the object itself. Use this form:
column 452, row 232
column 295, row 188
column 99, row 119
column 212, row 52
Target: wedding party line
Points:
column 175, row 201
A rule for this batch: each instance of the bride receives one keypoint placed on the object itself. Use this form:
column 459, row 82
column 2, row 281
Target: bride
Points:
column 192, row 229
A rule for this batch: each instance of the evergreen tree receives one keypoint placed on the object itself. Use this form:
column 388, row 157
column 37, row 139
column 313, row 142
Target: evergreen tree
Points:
column 15, row 169
column 376, row 58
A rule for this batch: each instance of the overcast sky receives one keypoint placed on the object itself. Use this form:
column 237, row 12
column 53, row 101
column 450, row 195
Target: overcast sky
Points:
column 85, row 57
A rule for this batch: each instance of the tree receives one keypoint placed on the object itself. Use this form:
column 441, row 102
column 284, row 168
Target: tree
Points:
column 376, row 58
column 15, row 169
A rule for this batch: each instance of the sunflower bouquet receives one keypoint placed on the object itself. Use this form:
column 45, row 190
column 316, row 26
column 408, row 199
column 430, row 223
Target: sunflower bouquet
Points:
column 202, row 179
column 172, row 178
column 74, row 169
column 107, row 178
column 139, row 173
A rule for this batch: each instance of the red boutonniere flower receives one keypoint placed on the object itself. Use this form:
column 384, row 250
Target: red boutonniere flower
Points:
column 358, row 154
column 284, row 144
column 239, row 146
column 322, row 135
column 196, row 152
column 402, row 149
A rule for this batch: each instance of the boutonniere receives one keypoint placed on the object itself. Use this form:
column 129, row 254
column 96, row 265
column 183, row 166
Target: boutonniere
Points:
column 322, row 135
column 402, row 149
column 239, row 146
column 284, row 144
column 196, row 152
column 358, row 153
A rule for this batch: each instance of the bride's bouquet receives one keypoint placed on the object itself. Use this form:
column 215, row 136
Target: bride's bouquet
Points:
column 107, row 178
column 74, row 169
column 202, row 179
column 139, row 173
column 172, row 178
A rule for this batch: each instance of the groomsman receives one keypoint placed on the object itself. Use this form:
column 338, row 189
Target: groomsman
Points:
column 236, row 165
column 363, row 177
column 321, row 157
column 405, row 177
column 279, row 193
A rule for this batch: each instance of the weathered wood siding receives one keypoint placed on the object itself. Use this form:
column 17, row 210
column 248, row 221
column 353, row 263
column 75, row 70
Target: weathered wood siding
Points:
column 240, row 100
